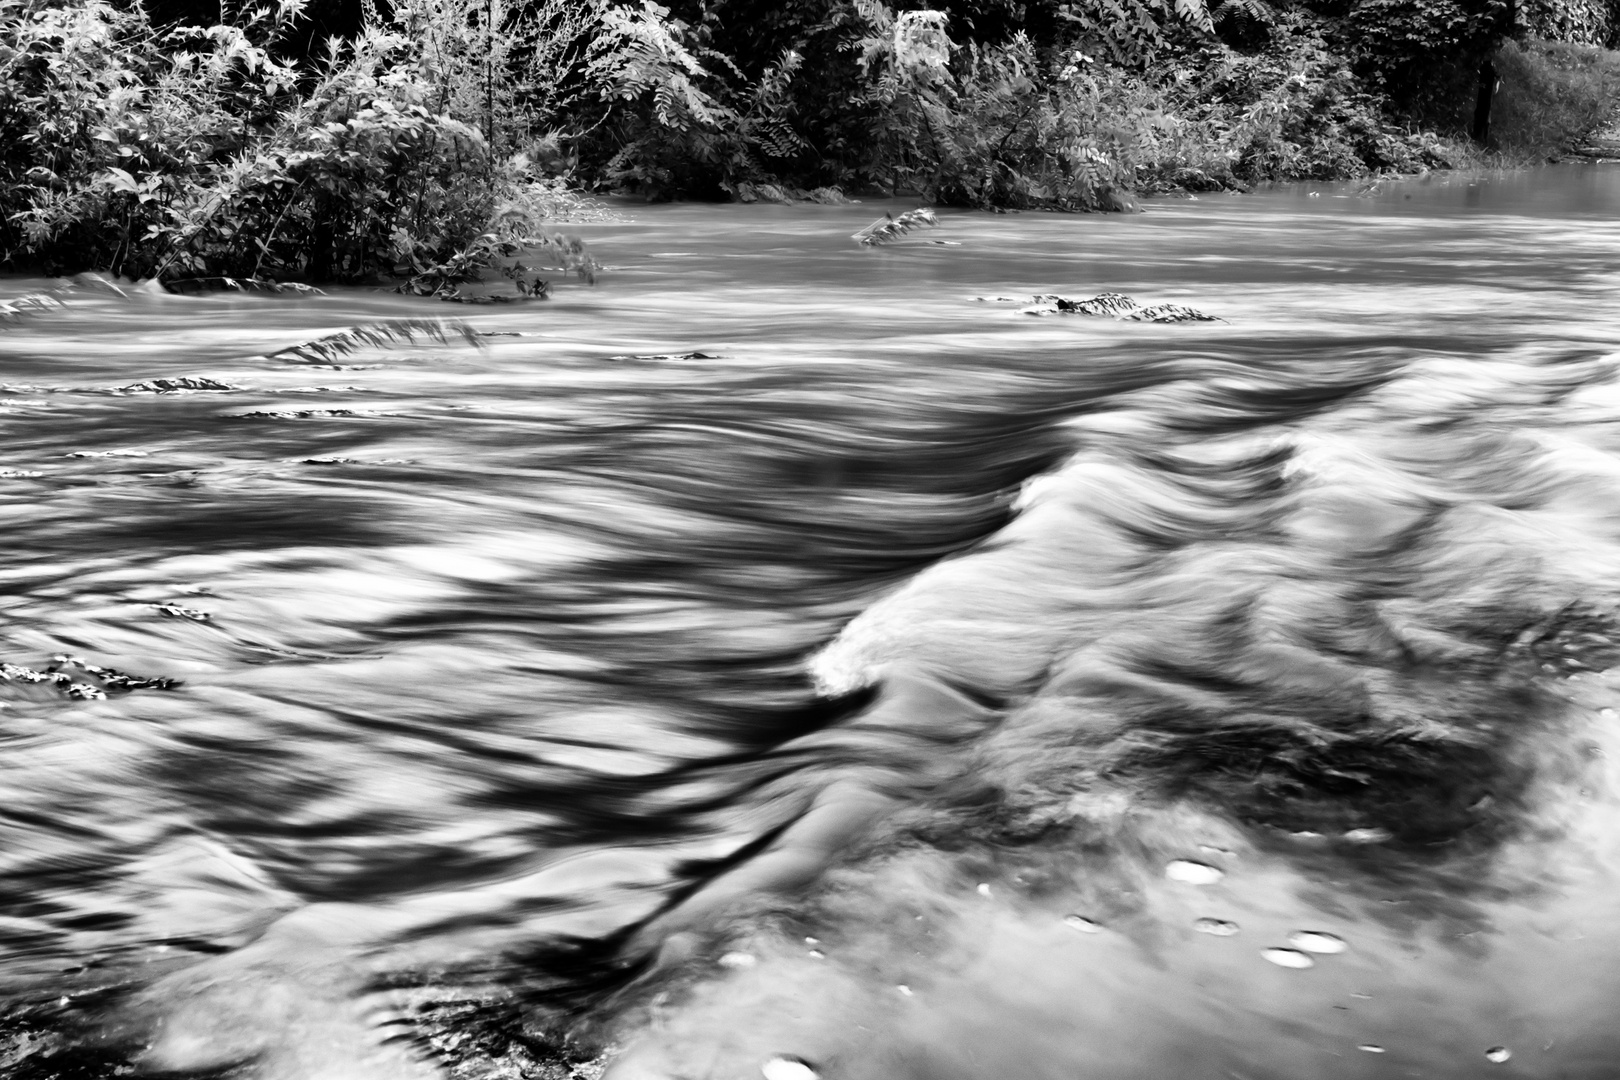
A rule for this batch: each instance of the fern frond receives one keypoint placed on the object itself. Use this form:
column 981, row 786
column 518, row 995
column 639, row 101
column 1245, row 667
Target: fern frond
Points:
column 889, row 228
column 378, row 335
column 1256, row 10
column 1195, row 13
column 875, row 14
column 777, row 139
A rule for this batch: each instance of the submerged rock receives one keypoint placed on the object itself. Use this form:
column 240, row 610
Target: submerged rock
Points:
column 1193, row 873
column 696, row 355
column 175, row 611
column 788, row 1068
column 1288, row 958
column 1216, row 927
column 1316, row 942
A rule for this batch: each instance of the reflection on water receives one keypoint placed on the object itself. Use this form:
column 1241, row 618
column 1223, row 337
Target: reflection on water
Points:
column 776, row 659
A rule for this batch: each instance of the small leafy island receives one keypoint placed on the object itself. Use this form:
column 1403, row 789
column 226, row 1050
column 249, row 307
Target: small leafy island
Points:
column 427, row 141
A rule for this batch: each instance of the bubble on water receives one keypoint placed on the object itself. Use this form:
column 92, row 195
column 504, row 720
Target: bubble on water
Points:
column 1317, row 942
column 1082, row 924
column 905, row 991
column 1371, row 1048
column 1498, row 1054
column 1607, row 714
column 1288, row 958
column 1217, row 927
column 984, row 888
column 816, row 954
column 1367, row 836
column 817, row 941
column 738, row 960
column 1193, row 873
column 788, row 1068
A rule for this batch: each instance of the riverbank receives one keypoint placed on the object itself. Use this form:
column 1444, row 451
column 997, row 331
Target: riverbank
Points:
column 174, row 151
column 1603, row 143
column 1554, row 99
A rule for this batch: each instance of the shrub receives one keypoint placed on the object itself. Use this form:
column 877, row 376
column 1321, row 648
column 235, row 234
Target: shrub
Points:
column 1005, row 126
column 1581, row 22
column 194, row 151
column 661, row 123
column 1425, row 55
column 1295, row 110
column 1551, row 95
column 513, row 69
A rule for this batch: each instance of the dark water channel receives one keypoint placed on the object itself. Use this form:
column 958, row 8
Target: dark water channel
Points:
column 877, row 677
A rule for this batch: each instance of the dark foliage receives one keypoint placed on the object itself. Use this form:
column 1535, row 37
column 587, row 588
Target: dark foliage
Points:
column 438, row 134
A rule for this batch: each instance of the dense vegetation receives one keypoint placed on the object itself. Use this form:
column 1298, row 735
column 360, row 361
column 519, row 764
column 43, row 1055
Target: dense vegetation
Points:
column 426, row 136
column 1553, row 95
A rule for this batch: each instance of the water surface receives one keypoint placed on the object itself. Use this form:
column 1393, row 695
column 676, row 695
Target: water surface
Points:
column 786, row 648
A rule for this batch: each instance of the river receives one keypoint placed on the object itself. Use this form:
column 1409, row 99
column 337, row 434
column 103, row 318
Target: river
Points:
column 791, row 658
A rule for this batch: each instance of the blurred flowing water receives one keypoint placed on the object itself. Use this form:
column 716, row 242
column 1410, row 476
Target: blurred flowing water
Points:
column 778, row 652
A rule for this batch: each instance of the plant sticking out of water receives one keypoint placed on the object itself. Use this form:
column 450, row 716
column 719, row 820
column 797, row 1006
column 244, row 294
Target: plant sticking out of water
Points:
column 441, row 279
column 1117, row 306
column 377, row 335
column 517, row 233
column 182, row 384
column 1165, row 313
column 223, row 283
column 889, row 228
column 37, row 303
column 13, row 311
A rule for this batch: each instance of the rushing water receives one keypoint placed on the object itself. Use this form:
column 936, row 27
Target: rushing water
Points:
column 880, row 677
